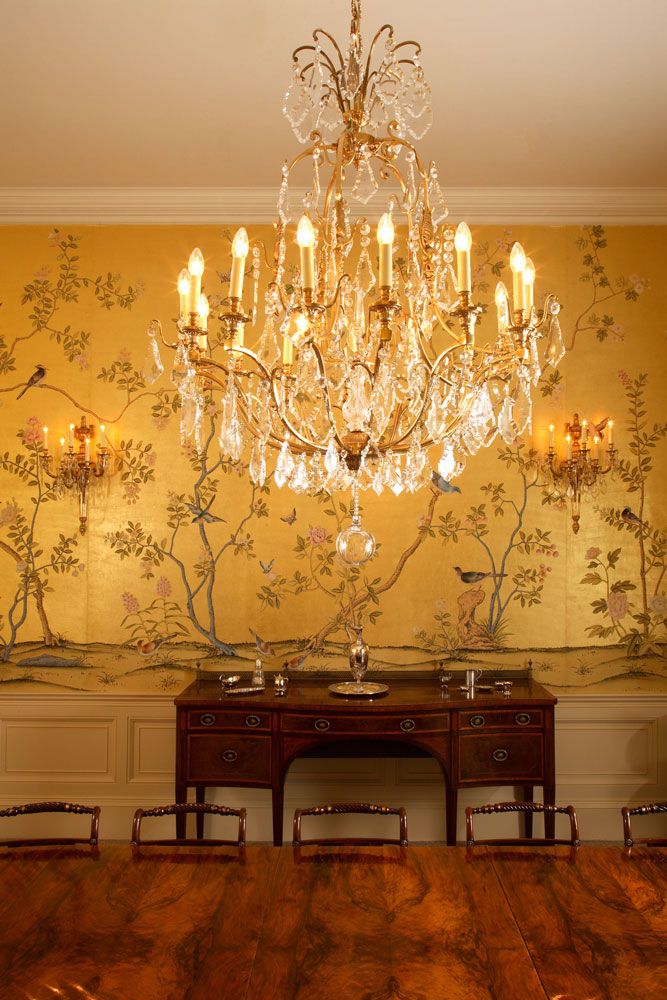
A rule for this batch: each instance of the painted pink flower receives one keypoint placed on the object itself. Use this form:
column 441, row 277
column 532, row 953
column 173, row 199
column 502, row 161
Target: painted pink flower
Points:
column 617, row 605
column 593, row 552
column 42, row 273
column 82, row 361
column 9, row 513
column 161, row 422
column 124, row 357
column 658, row 604
column 54, row 237
column 317, row 536
column 624, row 378
column 163, row 587
column 151, row 459
column 32, row 432
column 131, row 492
column 130, row 602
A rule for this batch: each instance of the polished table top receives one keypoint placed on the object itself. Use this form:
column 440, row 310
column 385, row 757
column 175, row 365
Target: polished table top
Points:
column 372, row 923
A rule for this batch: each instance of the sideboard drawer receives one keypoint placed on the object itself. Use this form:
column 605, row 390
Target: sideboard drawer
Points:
column 229, row 759
column 513, row 718
column 394, row 724
column 213, row 720
column 504, row 757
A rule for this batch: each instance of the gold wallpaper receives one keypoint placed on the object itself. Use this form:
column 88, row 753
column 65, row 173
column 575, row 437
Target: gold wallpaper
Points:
column 147, row 595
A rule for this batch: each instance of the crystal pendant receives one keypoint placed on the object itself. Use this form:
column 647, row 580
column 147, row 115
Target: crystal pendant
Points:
column 365, row 185
column 153, row 366
column 555, row 346
column 447, row 463
column 439, row 210
column 284, row 466
column 355, row 545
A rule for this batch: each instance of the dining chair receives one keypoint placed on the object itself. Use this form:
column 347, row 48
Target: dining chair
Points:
column 651, row 809
column 340, row 808
column 53, row 807
column 198, row 809
column 522, row 807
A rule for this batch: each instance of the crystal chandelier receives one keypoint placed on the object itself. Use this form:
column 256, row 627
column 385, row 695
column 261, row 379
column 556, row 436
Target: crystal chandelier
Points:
column 583, row 466
column 367, row 357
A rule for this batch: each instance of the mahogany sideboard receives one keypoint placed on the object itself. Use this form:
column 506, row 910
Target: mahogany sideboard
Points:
column 251, row 740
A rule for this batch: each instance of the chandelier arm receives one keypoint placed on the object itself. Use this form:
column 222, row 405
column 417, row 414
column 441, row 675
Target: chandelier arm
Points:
column 320, row 31
column 549, row 300
column 324, row 382
column 309, row 446
column 400, row 45
column 157, row 325
column 378, row 34
column 417, row 420
column 253, row 428
column 445, row 324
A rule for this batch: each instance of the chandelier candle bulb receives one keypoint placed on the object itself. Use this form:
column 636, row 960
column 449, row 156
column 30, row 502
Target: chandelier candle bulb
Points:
column 184, row 293
column 305, row 237
column 385, row 237
column 518, row 266
column 196, row 269
column 463, row 243
column 529, row 284
column 240, row 248
column 288, row 351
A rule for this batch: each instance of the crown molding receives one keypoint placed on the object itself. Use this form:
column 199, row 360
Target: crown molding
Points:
column 189, row 205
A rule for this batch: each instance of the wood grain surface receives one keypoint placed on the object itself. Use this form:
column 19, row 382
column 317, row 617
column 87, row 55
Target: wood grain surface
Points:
column 371, row 923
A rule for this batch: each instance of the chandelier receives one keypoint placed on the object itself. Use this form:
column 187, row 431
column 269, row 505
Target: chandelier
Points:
column 364, row 357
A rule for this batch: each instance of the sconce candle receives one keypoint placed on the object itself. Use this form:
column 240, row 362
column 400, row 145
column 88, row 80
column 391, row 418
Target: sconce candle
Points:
column 584, row 433
column 103, row 438
column 551, row 437
column 610, row 433
column 596, row 441
column 568, row 442
column 45, row 433
column 62, row 448
column 529, row 283
column 71, row 435
column 87, row 450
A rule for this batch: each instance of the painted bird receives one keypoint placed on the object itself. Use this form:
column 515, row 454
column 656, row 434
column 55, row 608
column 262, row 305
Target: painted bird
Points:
column 148, row 647
column 266, row 567
column 628, row 515
column 265, row 648
column 204, row 515
column 289, row 518
column 37, row 376
column 301, row 657
column 443, row 485
column 470, row 576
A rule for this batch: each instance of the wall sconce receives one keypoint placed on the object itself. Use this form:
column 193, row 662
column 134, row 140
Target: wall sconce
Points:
column 77, row 468
column 582, row 466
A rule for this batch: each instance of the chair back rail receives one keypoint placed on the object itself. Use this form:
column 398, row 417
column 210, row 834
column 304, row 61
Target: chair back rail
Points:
column 75, row 808
column 653, row 808
column 522, row 807
column 358, row 808
column 185, row 808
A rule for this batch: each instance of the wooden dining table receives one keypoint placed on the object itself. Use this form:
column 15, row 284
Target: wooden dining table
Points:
column 347, row 923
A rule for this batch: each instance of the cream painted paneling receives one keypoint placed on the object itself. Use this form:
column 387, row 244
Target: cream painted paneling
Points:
column 118, row 752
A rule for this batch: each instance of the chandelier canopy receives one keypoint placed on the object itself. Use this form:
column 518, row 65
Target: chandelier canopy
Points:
column 367, row 356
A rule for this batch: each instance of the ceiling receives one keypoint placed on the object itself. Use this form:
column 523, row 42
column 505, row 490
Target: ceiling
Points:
column 188, row 93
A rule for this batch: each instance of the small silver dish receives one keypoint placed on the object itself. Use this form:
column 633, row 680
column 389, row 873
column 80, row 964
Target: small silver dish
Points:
column 229, row 680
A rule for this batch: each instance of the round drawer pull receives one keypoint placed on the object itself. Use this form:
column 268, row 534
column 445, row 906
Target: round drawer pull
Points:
column 322, row 725
column 477, row 721
column 207, row 719
column 252, row 721
column 500, row 755
column 522, row 719
column 407, row 725
column 229, row 756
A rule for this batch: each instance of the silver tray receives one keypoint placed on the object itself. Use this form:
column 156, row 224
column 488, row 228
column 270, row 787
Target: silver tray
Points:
column 365, row 689
column 246, row 690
